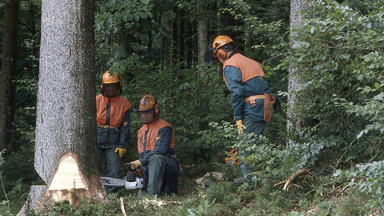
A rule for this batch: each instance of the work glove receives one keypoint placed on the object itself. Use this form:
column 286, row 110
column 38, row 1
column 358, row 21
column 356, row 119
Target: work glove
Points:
column 120, row 151
column 233, row 158
column 240, row 126
column 135, row 164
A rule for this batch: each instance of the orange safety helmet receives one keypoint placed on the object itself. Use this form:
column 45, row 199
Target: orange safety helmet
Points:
column 147, row 103
column 214, row 49
column 219, row 42
column 109, row 79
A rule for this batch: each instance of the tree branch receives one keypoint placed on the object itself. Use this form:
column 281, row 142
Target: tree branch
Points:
column 287, row 183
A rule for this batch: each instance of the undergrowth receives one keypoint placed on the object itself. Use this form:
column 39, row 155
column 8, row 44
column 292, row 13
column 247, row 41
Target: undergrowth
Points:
column 323, row 195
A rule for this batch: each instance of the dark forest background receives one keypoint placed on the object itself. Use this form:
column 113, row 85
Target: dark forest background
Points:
column 157, row 47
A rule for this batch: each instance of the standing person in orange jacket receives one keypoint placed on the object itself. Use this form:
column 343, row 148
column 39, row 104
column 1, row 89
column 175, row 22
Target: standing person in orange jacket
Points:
column 250, row 94
column 113, row 126
column 156, row 146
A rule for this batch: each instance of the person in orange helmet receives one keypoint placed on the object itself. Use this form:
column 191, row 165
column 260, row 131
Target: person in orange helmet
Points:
column 250, row 94
column 113, row 126
column 156, row 148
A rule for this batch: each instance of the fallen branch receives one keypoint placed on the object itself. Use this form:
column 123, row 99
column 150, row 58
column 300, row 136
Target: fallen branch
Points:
column 287, row 183
column 5, row 193
column 122, row 206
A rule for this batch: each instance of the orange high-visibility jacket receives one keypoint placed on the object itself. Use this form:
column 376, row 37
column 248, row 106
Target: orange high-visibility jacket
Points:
column 152, row 135
column 249, row 68
column 244, row 77
column 117, row 108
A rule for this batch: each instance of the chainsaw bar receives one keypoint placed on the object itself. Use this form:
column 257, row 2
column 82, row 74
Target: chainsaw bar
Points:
column 109, row 181
column 137, row 183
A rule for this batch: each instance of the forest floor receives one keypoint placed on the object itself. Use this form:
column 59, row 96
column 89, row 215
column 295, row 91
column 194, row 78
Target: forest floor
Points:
column 222, row 198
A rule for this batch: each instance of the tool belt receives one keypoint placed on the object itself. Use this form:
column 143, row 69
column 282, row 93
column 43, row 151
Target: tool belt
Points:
column 109, row 126
column 269, row 100
column 253, row 97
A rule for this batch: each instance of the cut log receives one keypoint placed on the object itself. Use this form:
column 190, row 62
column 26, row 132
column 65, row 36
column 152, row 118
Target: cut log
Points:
column 70, row 184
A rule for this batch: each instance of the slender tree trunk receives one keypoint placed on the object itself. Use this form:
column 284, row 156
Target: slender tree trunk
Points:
column 188, row 42
column 202, row 26
column 176, row 32
column 8, row 73
column 35, row 39
column 293, row 120
column 202, row 45
column 182, row 40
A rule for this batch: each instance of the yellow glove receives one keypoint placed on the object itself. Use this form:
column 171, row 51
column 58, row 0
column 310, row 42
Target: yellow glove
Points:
column 121, row 151
column 135, row 164
column 240, row 126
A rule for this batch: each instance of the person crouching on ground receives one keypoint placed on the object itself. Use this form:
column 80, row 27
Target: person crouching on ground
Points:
column 156, row 143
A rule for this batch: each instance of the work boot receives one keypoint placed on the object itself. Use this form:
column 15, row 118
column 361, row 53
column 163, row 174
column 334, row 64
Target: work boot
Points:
column 238, row 181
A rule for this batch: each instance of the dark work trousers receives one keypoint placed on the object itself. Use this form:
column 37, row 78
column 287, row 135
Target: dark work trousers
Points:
column 162, row 172
column 111, row 165
column 251, row 127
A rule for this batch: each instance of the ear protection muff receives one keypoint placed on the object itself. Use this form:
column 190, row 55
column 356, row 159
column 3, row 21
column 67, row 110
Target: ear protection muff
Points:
column 221, row 54
column 102, row 89
column 157, row 109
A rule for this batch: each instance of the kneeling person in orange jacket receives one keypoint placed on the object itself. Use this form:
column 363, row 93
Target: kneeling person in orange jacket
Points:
column 156, row 143
column 113, row 126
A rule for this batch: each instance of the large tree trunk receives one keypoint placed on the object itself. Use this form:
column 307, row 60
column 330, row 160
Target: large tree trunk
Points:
column 66, row 111
column 293, row 120
column 8, row 73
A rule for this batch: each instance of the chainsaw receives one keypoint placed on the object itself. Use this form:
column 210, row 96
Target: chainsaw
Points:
column 134, row 179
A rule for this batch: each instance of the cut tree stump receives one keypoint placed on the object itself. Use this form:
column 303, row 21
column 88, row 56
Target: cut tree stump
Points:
column 67, row 184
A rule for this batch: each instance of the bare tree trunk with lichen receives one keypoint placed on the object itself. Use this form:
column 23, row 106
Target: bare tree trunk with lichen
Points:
column 294, row 121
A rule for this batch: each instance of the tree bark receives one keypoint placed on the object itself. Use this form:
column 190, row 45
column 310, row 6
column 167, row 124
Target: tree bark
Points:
column 35, row 194
column 202, row 26
column 294, row 81
column 8, row 73
column 66, row 111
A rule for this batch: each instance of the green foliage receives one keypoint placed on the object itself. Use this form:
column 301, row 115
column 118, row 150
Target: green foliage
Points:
column 338, row 51
column 188, row 102
column 368, row 180
column 4, row 204
column 339, row 48
column 271, row 162
column 205, row 208
column 18, row 173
